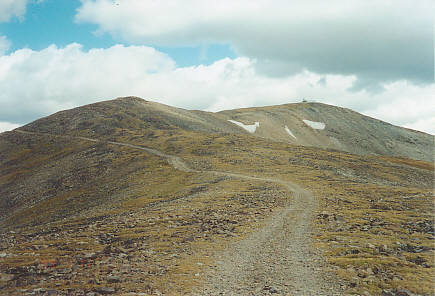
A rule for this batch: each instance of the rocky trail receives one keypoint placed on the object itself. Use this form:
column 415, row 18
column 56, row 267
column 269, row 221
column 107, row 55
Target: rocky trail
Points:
column 278, row 259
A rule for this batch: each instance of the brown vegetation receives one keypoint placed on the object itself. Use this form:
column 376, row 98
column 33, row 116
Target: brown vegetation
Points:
column 75, row 211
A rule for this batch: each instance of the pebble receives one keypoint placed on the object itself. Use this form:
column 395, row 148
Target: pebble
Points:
column 113, row 279
column 105, row 290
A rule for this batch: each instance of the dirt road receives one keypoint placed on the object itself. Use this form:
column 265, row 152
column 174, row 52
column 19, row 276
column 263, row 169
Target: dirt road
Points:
column 277, row 259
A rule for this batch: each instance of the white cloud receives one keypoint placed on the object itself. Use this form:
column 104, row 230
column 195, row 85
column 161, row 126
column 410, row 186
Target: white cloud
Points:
column 425, row 124
column 7, row 126
column 4, row 45
column 12, row 8
column 379, row 41
column 38, row 83
column 405, row 104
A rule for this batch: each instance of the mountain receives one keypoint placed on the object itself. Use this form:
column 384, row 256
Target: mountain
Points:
column 132, row 196
column 337, row 128
column 340, row 128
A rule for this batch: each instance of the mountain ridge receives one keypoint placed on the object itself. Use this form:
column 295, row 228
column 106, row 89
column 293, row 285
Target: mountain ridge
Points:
column 344, row 130
column 129, row 196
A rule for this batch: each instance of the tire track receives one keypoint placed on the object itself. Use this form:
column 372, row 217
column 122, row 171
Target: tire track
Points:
column 276, row 259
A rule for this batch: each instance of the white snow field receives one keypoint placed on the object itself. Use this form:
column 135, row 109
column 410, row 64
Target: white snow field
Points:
column 250, row 128
column 314, row 124
column 289, row 132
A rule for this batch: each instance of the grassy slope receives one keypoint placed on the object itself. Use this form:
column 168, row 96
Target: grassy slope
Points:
column 165, row 220
column 375, row 221
column 374, row 212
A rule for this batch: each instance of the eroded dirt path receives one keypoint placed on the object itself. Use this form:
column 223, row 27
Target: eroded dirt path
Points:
column 277, row 259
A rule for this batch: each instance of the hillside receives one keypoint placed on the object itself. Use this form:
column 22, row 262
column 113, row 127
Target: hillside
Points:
column 340, row 128
column 337, row 128
column 132, row 196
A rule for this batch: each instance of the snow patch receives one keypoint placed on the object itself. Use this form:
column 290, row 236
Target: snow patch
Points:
column 250, row 128
column 289, row 132
column 314, row 124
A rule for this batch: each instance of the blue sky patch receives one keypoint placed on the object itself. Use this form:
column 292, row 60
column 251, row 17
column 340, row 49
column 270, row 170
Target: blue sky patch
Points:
column 52, row 22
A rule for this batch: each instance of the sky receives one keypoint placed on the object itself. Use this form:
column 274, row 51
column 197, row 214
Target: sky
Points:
column 373, row 56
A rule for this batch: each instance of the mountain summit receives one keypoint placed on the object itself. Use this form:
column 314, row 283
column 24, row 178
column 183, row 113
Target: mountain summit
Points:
column 132, row 197
column 307, row 124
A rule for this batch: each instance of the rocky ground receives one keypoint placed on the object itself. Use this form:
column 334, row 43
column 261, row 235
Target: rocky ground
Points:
column 107, row 202
column 279, row 253
column 276, row 260
column 153, row 251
